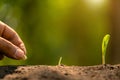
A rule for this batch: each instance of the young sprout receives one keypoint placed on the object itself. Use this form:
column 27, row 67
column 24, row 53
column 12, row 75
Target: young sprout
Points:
column 104, row 46
column 60, row 60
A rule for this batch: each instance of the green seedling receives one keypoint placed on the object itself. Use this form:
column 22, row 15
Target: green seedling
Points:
column 60, row 60
column 104, row 47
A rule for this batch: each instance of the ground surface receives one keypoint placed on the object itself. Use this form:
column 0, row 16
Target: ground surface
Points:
column 43, row 72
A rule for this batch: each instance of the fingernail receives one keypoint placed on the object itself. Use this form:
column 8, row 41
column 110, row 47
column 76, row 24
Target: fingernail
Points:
column 19, row 54
column 25, row 57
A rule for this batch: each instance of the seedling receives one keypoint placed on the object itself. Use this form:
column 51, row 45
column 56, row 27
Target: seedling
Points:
column 104, row 47
column 60, row 60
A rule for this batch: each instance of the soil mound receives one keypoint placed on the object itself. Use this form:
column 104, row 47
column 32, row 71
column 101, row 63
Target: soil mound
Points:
column 45, row 72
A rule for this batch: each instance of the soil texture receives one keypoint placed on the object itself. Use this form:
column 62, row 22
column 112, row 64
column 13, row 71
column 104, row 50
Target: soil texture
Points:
column 45, row 72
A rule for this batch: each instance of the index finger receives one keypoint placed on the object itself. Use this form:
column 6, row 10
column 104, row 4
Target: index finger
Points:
column 9, row 34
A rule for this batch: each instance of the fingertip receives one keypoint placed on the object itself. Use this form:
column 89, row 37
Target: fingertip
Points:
column 24, row 57
column 22, row 46
column 19, row 54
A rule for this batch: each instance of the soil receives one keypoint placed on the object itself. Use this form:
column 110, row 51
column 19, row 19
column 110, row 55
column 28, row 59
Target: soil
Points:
column 60, row 72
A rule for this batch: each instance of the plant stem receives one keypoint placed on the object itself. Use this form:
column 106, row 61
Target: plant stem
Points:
column 103, row 59
column 59, row 62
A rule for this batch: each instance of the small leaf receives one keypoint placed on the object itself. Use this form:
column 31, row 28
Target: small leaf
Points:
column 104, row 47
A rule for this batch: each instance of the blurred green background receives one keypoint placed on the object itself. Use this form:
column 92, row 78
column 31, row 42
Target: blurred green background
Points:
column 50, row 29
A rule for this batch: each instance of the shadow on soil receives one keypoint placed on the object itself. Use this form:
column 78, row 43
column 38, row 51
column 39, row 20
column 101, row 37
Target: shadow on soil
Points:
column 5, row 70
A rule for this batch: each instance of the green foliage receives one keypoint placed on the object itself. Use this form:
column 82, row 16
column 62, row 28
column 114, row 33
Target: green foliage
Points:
column 54, row 28
column 104, row 47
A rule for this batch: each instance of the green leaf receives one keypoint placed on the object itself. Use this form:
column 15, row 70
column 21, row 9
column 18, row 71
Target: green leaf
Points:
column 104, row 46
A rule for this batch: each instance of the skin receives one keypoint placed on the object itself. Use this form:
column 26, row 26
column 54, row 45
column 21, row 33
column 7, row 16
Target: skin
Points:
column 10, row 43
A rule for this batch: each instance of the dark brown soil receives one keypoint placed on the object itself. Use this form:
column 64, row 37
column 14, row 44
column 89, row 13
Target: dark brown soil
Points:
column 44, row 72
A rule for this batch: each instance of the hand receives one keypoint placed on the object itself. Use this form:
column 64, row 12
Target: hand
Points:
column 10, row 43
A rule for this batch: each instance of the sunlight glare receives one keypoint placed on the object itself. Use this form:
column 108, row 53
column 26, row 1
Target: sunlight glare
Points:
column 95, row 3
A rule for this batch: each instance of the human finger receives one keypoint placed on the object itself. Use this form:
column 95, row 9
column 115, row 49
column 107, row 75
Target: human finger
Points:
column 9, row 34
column 11, row 50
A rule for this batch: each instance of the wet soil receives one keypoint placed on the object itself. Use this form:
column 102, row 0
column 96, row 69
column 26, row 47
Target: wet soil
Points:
column 45, row 72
